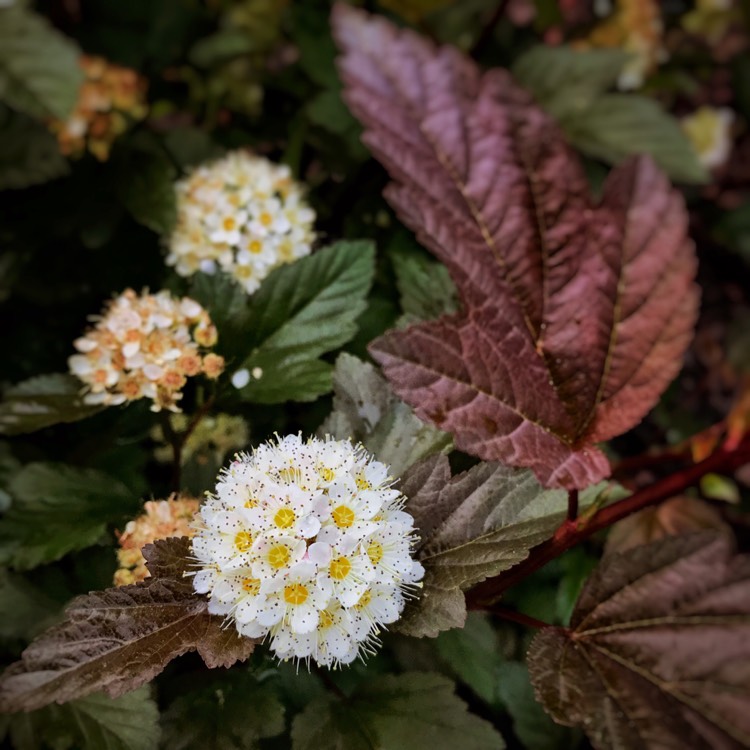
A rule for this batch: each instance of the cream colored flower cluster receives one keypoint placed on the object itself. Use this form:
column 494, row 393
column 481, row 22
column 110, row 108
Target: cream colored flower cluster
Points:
column 242, row 215
column 161, row 519
column 109, row 99
column 306, row 542
column 145, row 347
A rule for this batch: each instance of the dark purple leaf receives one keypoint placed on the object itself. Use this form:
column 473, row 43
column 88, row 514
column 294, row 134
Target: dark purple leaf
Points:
column 658, row 654
column 576, row 314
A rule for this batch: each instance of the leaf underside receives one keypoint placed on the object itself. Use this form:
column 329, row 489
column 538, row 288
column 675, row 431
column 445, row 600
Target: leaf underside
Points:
column 119, row 639
column 575, row 314
column 472, row 526
column 658, row 654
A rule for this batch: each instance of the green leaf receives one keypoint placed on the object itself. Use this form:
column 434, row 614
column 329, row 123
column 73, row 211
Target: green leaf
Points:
column 572, row 86
column 221, row 47
column 424, row 286
column 39, row 71
column 409, row 712
column 118, row 639
column 42, row 401
column 24, row 609
column 96, row 722
column 301, row 311
column 617, row 125
column 365, row 410
column 232, row 713
column 532, row 726
column 29, row 154
column 472, row 526
column 473, row 654
column 567, row 81
column 58, row 509
column 146, row 189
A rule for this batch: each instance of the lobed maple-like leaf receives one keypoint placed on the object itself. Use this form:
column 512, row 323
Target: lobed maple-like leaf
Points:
column 472, row 526
column 658, row 653
column 119, row 639
column 575, row 315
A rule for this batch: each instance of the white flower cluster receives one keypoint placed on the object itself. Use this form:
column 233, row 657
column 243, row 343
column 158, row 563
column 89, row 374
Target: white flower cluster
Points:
column 242, row 214
column 307, row 542
column 145, row 346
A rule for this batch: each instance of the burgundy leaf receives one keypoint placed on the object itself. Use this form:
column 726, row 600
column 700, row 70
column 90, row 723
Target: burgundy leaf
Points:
column 658, row 654
column 575, row 314
column 118, row 639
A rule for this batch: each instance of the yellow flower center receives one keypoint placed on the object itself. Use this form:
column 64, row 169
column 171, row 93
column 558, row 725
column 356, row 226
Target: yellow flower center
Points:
column 251, row 502
column 343, row 517
column 288, row 475
column 295, row 593
column 284, row 518
column 327, row 474
column 362, row 483
column 365, row 599
column 243, row 541
column 325, row 620
column 278, row 556
column 266, row 219
column 251, row 586
column 255, row 246
column 228, row 224
column 375, row 552
column 340, row 568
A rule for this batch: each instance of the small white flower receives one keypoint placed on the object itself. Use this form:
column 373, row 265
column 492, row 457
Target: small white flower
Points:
column 306, row 542
column 241, row 214
column 241, row 378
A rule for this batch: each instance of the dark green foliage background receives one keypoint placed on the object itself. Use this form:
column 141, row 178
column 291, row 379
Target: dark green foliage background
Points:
column 69, row 243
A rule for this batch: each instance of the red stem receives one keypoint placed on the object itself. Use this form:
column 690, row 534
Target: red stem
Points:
column 518, row 617
column 574, row 532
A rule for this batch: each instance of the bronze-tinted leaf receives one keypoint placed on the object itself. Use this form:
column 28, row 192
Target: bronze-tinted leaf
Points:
column 472, row 526
column 118, row 639
column 575, row 314
column 658, row 654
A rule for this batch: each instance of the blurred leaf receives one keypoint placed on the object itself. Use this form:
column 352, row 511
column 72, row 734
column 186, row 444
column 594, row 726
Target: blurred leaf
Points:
column 39, row 71
column 473, row 654
column 96, row 722
column 29, row 154
column 190, row 146
column 571, row 85
column 658, row 654
column 232, row 713
column 618, row 125
column 472, row 526
column 532, row 726
column 42, row 401
column 58, row 509
column 301, row 311
column 409, row 712
column 118, row 639
column 146, row 189
column 365, row 410
column 24, row 609
column 566, row 81
column 220, row 47
column 424, row 286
